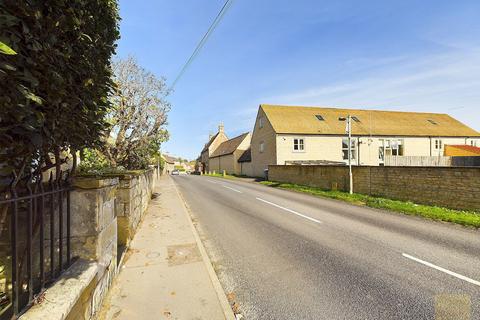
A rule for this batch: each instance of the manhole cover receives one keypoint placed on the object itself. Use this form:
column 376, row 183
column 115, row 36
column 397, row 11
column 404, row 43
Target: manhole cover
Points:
column 183, row 253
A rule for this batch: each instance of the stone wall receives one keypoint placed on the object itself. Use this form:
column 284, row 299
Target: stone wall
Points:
column 451, row 187
column 134, row 193
column 97, row 207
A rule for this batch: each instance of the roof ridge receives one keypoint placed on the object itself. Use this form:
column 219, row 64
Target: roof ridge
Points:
column 228, row 146
column 354, row 109
column 243, row 134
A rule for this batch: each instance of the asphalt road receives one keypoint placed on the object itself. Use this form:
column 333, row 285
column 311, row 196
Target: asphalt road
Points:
column 287, row 255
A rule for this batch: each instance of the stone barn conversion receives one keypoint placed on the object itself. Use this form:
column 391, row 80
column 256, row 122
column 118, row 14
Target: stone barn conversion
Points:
column 316, row 135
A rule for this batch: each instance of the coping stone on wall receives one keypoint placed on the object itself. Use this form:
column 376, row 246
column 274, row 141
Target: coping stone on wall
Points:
column 64, row 294
column 86, row 182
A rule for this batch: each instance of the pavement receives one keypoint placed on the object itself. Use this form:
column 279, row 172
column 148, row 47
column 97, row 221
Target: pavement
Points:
column 166, row 272
column 286, row 255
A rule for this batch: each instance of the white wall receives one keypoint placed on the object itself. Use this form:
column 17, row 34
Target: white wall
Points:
column 315, row 148
column 330, row 147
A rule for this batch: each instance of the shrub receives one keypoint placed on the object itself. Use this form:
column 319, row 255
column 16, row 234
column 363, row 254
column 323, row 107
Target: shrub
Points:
column 55, row 80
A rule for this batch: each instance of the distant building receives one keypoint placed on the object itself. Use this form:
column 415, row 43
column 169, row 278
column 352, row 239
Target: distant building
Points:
column 226, row 156
column 170, row 163
column 310, row 135
column 212, row 144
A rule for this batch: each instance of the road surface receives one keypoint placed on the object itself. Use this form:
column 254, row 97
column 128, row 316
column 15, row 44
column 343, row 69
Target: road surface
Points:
column 286, row 255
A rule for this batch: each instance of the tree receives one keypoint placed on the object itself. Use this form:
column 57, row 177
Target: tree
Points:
column 138, row 116
column 55, row 76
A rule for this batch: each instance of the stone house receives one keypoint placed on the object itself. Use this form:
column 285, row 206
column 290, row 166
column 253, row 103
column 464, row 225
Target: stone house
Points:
column 212, row 144
column 170, row 163
column 315, row 135
column 226, row 156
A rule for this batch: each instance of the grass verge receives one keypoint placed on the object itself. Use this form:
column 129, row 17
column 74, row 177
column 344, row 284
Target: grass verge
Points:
column 466, row 218
column 219, row 175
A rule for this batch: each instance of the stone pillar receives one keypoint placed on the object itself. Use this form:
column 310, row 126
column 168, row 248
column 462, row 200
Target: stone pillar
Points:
column 94, row 238
column 94, row 219
column 128, row 216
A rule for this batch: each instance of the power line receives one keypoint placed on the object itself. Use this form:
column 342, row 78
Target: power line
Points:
column 204, row 39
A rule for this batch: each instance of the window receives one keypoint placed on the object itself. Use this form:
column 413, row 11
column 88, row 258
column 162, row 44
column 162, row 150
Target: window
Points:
column 260, row 122
column 355, row 119
column 474, row 143
column 397, row 147
column 381, row 153
column 298, row 144
column 432, row 122
column 262, row 147
column 438, row 144
column 390, row 147
column 319, row 117
column 353, row 143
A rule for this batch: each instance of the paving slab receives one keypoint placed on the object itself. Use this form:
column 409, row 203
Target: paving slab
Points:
column 165, row 275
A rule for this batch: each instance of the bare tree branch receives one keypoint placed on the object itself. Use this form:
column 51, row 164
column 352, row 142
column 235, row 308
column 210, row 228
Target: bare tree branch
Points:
column 139, row 116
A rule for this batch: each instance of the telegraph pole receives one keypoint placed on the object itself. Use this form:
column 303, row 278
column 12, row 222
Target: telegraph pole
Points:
column 349, row 131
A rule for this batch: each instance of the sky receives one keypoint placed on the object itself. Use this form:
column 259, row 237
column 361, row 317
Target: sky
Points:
column 405, row 55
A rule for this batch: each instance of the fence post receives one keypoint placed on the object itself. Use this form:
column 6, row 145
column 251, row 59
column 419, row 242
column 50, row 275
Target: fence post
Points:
column 15, row 275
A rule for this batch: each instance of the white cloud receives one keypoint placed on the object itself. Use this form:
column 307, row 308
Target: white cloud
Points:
column 447, row 83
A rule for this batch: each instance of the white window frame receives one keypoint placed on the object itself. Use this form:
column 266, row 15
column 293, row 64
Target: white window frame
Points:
column 353, row 148
column 395, row 147
column 300, row 144
column 438, row 144
column 261, row 148
column 390, row 146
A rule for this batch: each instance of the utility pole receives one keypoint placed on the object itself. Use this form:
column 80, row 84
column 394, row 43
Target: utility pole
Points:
column 348, row 130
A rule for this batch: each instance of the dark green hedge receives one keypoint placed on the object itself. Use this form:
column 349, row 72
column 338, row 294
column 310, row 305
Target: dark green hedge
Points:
column 54, row 89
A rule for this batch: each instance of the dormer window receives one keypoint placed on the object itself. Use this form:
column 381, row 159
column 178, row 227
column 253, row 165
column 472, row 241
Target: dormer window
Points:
column 355, row 119
column 319, row 117
column 432, row 122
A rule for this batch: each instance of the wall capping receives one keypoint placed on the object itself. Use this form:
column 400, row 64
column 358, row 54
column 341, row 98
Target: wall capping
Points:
column 94, row 182
column 65, row 292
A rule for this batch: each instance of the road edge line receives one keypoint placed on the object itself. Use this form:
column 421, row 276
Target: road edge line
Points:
column 221, row 295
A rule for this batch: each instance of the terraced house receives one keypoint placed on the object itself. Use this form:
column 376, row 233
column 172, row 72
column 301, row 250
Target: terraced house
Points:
column 316, row 135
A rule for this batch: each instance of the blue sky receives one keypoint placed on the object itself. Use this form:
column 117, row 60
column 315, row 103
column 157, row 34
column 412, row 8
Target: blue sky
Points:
column 406, row 55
